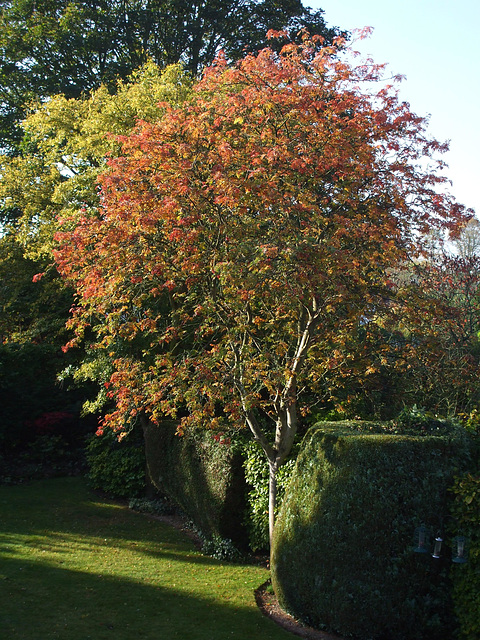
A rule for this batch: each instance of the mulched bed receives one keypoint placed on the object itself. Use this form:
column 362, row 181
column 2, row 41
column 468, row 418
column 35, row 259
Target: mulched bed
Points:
column 268, row 605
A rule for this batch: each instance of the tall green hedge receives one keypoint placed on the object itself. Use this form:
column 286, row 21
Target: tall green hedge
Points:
column 203, row 473
column 342, row 556
column 466, row 583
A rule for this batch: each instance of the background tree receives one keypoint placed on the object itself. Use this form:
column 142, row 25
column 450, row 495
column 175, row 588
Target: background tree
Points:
column 52, row 47
column 66, row 145
column 244, row 236
column 467, row 242
column 65, row 148
column 443, row 348
column 421, row 351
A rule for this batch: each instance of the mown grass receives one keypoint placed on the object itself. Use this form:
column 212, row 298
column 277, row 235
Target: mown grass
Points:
column 75, row 567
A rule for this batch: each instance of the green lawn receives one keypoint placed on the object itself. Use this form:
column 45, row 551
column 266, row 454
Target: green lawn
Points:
column 75, row 567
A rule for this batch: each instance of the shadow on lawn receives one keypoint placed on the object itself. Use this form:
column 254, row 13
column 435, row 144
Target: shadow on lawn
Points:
column 44, row 603
column 49, row 592
column 53, row 523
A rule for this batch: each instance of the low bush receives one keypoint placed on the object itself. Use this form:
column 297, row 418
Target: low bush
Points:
column 49, row 452
column 221, row 549
column 117, row 467
column 417, row 420
column 343, row 555
column 152, row 507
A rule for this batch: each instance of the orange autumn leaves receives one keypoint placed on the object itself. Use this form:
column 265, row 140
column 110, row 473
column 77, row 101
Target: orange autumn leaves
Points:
column 245, row 234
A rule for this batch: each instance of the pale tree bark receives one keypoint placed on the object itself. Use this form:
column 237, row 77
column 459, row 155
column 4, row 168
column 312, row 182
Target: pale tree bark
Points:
column 285, row 411
column 272, row 499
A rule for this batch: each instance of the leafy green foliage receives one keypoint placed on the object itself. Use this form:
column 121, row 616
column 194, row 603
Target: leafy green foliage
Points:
column 49, row 452
column 43, row 456
column 51, row 47
column 343, row 549
column 67, row 142
column 30, row 311
column 466, row 511
column 117, row 467
column 152, row 507
column 221, row 549
column 417, row 420
column 257, row 477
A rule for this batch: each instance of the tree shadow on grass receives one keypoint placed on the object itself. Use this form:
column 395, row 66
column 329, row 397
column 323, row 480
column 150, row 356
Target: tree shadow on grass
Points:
column 44, row 517
column 42, row 602
column 75, row 568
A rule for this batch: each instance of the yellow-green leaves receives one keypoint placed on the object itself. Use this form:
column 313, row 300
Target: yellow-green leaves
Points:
column 67, row 143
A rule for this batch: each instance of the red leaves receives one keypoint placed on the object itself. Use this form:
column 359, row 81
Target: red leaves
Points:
column 245, row 234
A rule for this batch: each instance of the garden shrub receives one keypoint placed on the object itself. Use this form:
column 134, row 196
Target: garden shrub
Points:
column 117, row 467
column 221, row 549
column 466, row 577
column 342, row 556
column 52, row 445
column 46, row 450
column 416, row 420
column 27, row 388
column 155, row 507
column 202, row 472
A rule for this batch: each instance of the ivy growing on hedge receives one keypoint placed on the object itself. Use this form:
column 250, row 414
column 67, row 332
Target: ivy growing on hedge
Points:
column 256, row 475
column 466, row 511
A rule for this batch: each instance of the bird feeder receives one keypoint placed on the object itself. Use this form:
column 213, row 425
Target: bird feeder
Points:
column 421, row 540
column 460, row 550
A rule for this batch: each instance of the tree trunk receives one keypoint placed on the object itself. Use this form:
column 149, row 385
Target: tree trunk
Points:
column 272, row 499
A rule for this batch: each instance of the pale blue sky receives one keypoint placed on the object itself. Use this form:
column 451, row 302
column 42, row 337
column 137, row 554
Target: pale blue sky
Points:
column 436, row 45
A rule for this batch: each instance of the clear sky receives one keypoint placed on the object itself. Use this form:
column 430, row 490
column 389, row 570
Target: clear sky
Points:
column 436, row 45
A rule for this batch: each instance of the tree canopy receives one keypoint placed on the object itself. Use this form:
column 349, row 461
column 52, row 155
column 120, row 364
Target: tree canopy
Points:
column 246, row 234
column 53, row 47
column 66, row 145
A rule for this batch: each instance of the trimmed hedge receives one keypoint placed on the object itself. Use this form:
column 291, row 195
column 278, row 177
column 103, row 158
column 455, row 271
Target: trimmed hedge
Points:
column 466, row 583
column 203, row 473
column 342, row 556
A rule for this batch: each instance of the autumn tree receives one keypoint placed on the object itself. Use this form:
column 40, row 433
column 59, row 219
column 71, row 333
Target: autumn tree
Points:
column 246, row 234
column 65, row 148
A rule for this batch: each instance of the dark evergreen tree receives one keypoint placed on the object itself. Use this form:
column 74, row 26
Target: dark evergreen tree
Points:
column 50, row 47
